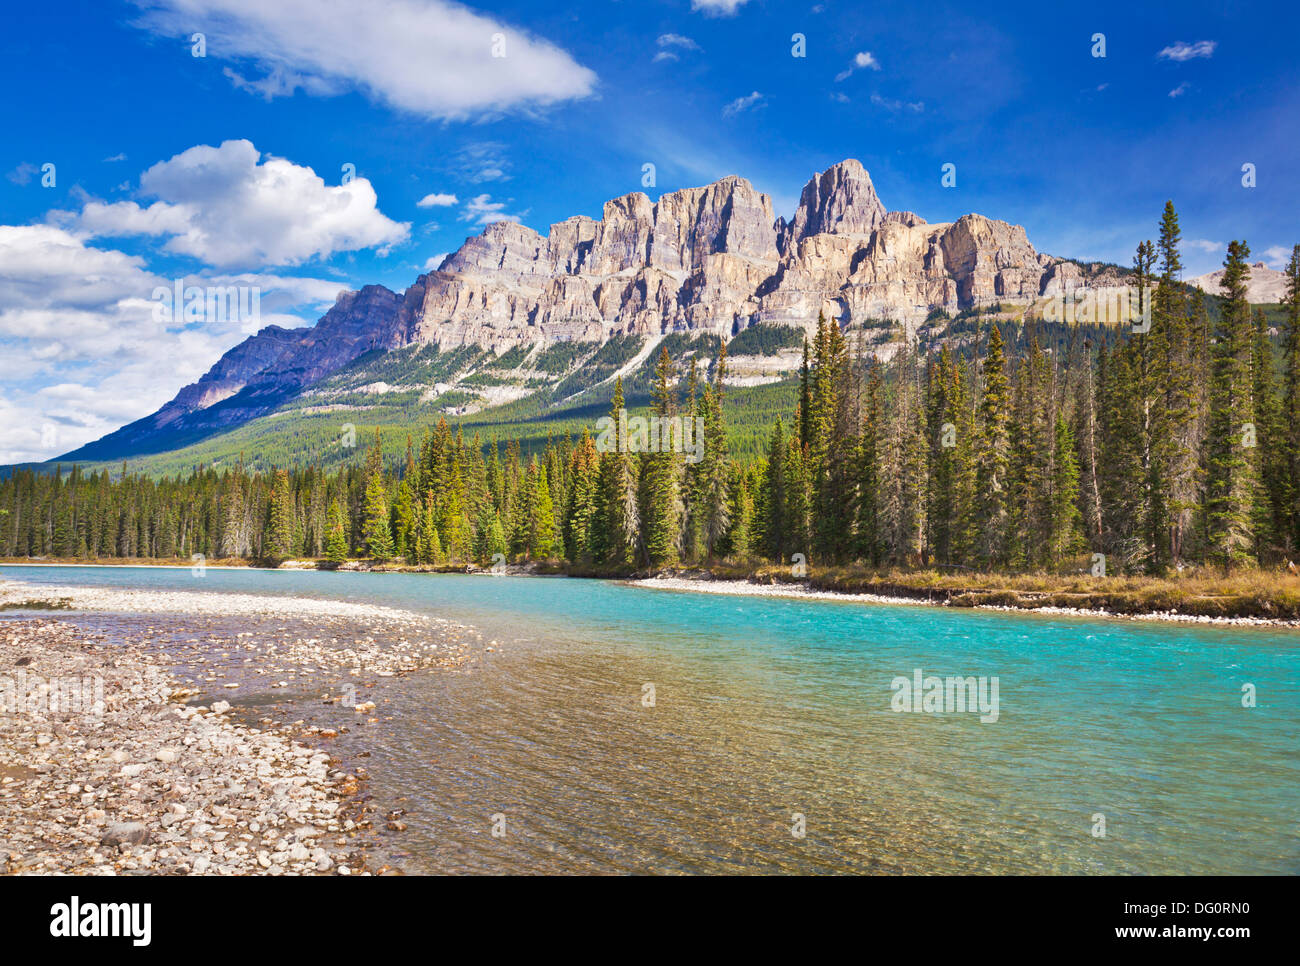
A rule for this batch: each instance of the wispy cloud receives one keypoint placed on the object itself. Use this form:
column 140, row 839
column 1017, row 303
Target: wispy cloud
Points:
column 677, row 40
column 22, row 174
column 863, row 60
column 1180, row 51
column 741, row 104
column 482, row 210
column 481, row 162
column 894, row 106
column 1205, row 245
column 718, row 8
column 1180, row 90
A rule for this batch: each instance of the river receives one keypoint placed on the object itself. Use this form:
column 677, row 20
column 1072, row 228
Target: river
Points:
column 618, row 729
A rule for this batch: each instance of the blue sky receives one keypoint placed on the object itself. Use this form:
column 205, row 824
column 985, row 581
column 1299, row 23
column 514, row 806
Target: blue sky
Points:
column 229, row 167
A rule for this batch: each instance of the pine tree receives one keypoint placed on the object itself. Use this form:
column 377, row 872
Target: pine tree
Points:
column 1290, row 407
column 661, row 514
column 991, row 459
column 1229, row 476
column 868, row 539
column 378, row 535
column 541, row 524
column 278, row 543
column 1273, row 481
column 1065, row 537
column 336, row 545
column 617, row 521
column 714, row 491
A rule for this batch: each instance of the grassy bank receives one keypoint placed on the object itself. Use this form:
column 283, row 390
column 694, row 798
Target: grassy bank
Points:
column 1266, row 595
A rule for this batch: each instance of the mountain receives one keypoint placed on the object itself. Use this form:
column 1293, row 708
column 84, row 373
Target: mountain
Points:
column 710, row 260
column 1266, row 285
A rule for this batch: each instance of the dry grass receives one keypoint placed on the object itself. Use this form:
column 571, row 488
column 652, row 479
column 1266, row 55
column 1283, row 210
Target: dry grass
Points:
column 1265, row 594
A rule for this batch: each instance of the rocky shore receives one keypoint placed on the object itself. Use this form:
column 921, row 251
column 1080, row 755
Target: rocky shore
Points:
column 130, row 779
column 106, row 768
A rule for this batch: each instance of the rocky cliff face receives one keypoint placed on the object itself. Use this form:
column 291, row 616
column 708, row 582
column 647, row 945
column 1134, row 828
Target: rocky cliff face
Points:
column 715, row 259
column 712, row 259
column 1265, row 285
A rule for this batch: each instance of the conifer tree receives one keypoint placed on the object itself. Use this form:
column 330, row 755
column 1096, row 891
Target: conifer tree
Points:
column 336, row 544
column 279, row 540
column 378, row 539
column 1290, row 407
column 661, row 515
column 614, row 537
column 992, row 458
column 1229, row 471
column 775, row 527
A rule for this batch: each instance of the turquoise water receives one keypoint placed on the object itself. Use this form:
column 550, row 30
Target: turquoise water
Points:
column 766, row 709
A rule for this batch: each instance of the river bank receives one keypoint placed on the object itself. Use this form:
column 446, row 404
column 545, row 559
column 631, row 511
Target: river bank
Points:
column 1266, row 598
column 127, row 778
column 110, row 764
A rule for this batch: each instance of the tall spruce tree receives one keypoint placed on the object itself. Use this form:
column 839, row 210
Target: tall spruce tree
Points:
column 1228, row 466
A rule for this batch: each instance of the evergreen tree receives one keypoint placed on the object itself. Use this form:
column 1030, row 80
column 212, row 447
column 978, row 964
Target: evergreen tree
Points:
column 336, row 545
column 378, row 535
column 1290, row 407
column 1229, row 473
column 662, row 507
column 278, row 543
column 617, row 522
column 992, row 459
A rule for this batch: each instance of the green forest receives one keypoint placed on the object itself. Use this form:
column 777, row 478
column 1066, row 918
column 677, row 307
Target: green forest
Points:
column 1150, row 452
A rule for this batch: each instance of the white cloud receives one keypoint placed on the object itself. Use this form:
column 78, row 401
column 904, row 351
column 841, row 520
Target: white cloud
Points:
column 718, row 8
column 864, row 59
column 226, row 207
column 23, row 173
column 433, row 58
column 482, row 210
column 436, row 200
column 662, row 56
column 1180, row 90
column 1181, row 51
column 740, row 104
column 1205, row 245
column 481, row 162
column 81, row 351
column 1277, row 256
column 432, row 264
column 894, row 106
column 677, row 40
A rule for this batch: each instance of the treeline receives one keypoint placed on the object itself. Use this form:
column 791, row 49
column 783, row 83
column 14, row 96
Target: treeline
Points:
column 1178, row 446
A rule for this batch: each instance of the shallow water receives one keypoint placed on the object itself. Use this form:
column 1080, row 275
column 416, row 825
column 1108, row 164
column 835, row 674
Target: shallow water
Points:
column 767, row 708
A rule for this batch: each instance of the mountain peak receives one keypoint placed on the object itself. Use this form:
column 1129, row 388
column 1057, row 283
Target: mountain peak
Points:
column 710, row 259
column 840, row 200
